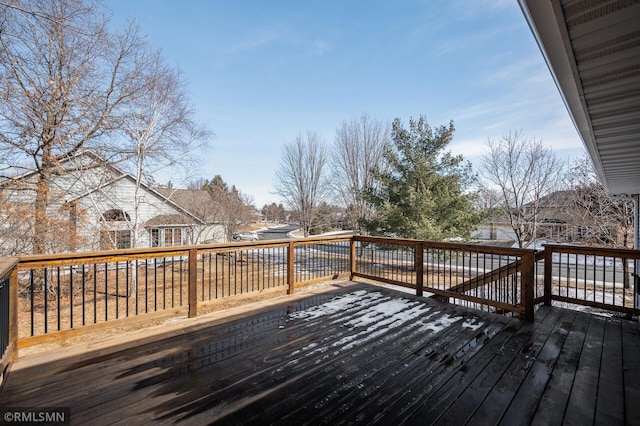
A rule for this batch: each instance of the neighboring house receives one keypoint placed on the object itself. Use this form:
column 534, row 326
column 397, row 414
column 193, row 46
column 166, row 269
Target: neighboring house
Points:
column 494, row 228
column 93, row 207
column 558, row 220
column 200, row 203
column 555, row 217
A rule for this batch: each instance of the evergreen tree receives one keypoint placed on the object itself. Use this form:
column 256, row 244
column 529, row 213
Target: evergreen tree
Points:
column 422, row 193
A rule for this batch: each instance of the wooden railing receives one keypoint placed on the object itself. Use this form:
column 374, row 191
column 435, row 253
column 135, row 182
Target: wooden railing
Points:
column 58, row 296
column 600, row 278
column 68, row 294
column 491, row 278
column 8, row 311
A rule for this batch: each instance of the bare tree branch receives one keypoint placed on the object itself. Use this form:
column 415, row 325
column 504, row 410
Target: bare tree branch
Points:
column 601, row 219
column 300, row 180
column 358, row 150
column 522, row 170
column 64, row 83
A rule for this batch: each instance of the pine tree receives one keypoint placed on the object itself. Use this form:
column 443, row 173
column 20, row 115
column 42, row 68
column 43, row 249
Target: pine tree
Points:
column 422, row 193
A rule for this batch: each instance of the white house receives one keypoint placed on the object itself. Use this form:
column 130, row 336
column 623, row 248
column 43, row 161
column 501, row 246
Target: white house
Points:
column 98, row 206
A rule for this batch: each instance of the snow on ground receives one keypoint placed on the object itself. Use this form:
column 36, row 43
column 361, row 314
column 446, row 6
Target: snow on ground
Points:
column 619, row 299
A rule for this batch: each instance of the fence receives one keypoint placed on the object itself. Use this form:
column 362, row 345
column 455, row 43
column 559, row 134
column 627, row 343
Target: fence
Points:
column 490, row 278
column 68, row 294
column 64, row 295
column 600, row 278
column 8, row 310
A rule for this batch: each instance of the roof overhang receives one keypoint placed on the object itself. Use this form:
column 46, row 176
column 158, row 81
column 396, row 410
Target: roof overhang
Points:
column 592, row 49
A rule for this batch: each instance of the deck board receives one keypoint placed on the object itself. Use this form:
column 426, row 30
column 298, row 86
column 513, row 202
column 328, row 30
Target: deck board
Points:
column 610, row 402
column 631, row 366
column 502, row 376
column 439, row 401
column 584, row 391
column 360, row 354
column 416, row 387
column 552, row 405
column 533, row 386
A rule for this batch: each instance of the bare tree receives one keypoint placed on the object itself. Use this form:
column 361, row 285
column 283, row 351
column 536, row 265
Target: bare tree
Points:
column 522, row 170
column 358, row 150
column 488, row 202
column 64, row 81
column 300, row 180
column 160, row 128
column 230, row 207
column 17, row 221
column 274, row 213
column 601, row 219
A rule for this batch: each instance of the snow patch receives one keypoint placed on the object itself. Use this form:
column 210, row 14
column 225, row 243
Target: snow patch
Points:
column 473, row 324
column 342, row 303
column 441, row 324
column 373, row 315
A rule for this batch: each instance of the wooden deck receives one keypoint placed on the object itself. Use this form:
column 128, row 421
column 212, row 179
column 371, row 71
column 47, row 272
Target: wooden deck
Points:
column 359, row 354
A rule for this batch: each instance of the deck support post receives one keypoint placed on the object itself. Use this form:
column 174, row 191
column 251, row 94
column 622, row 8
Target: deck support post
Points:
column 548, row 271
column 290, row 270
column 352, row 258
column 13, row 313
column 636, row 246
column 527, row 284
column 9, row 314
column 193, row 283
column 419, row 264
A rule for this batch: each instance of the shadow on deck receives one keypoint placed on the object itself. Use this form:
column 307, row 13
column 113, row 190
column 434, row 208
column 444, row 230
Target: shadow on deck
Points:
column 357, row 354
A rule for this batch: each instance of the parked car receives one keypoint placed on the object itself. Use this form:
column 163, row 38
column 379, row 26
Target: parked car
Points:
column 246, row 236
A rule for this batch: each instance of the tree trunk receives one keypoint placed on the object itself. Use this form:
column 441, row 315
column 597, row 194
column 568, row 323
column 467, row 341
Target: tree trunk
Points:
column 626, row 274
column 40, row 228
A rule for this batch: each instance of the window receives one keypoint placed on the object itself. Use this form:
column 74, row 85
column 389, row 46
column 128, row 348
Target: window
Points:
column 116, row 234
column 173, row 237
column 155, row 237
column 583, row 231
column 116, row 215
column 167, row 237
column 115, row 239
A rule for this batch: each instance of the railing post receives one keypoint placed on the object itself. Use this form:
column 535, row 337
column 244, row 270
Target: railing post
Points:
column 290, row 270
column 352, row 257
column 548, row 271
column 527, row 284
column 419, row 264
column 193, row 283
column 13, row 312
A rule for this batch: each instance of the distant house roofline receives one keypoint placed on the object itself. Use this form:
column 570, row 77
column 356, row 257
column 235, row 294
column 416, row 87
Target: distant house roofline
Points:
column 120, row 175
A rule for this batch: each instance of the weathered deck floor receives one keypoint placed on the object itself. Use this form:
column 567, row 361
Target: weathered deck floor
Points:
column 361, row 354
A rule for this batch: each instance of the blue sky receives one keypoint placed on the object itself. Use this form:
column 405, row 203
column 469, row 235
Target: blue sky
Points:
column 260, row 72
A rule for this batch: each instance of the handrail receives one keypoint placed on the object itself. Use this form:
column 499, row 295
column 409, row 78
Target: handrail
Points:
column 445, row 270
column 8, row 319
column 590, row 250
column 494, row 275
column 475, row 248
column 99, row 287
column 605, row 279
column 123, row 285
column 119, row 253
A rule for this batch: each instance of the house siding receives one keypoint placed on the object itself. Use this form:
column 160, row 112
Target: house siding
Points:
column 87, row 188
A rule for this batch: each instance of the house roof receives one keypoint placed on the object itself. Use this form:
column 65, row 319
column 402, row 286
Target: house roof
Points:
column 181, row 196
column 556, row 198
column 76, row 164
column 152, row 191
column 168, row 219
column 95, row 161
column 196, row 200
column 592, row 49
